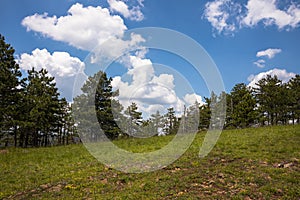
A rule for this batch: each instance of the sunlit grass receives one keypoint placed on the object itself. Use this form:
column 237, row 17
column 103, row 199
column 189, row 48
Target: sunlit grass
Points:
column 260, row 163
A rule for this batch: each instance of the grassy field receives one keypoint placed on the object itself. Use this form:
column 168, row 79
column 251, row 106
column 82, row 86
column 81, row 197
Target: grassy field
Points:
column 261, row 163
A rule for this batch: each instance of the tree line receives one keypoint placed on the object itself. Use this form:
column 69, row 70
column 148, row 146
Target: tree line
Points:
column 270, row 102
column 115, row 121
column 32, row 113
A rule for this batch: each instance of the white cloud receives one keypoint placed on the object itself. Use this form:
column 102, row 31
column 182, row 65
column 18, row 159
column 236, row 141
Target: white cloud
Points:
column 266, row 11
column 190, row 99
column 83, row 27
column 145, row 87
column 121, row 7
column 270, row 53
column 118, row 48
column 227, row 16
column 142, row 70
column 164, row 79
column 89, row 28
column 141, row 2
column 60, row 65
column 222, row 14
column 260, row 63
column 151, row 92
column 281, row 74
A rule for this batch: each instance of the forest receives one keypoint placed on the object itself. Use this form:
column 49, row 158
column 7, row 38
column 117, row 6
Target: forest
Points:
column 33, row 114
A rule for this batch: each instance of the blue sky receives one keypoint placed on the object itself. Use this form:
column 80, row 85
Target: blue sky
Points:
column 246, row 39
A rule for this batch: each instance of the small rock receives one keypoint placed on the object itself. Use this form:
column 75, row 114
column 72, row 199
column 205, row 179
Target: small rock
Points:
column 3, row 151
column 287, row 165
column 280, row 165
column 45, row 186
column 221, row 175
column 104, row 181
column 264, row 163
column 279, row 191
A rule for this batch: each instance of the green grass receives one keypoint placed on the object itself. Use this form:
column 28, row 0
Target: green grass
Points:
column 245, row 164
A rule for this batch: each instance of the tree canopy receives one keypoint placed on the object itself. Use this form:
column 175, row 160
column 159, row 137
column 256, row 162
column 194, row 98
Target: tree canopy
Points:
column 31, row 110
column 32, row 113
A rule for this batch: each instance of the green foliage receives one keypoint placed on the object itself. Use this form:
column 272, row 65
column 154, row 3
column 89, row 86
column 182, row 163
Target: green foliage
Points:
column 205, row 114
column 45, row 119
column 157, row 121
column 9, row 91
column 31, row 112
column 103, row 105
column 241, row 107
column 134, row 119
column 213, row 113
column 171, row 122
column 271, row 102
column 294, row 97
column 278, row 102
column 98, row 98
column 267, row 95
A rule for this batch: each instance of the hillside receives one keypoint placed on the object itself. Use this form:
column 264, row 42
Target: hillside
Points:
column 255, row 163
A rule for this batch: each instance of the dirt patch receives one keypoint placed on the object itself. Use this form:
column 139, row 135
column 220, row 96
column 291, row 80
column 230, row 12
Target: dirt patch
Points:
column 35, row 192
column 4, row 151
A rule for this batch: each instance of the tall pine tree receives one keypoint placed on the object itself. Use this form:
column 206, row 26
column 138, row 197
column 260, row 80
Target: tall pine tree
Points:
column 242, row 106
column 294, row 88
column 9, row 90
column 268, row 97
column 97, row 96
column 43, row 107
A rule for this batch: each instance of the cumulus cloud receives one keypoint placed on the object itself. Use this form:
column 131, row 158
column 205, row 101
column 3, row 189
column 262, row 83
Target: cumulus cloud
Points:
column 93, row 29
column 83, row 27
column 266, row 11
column 270, row 53
column 121, row 7
column 282, row 74
column 192, row 98
column 223, row 15
column 226, row 16
column 60, row 65
column 150, row 91
column 145, row 88
column 118, row 48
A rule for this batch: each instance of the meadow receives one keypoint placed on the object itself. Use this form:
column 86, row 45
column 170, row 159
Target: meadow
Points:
column 253, row 163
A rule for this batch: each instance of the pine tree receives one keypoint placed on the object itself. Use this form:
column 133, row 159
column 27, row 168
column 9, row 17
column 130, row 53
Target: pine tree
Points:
column 97, row 97
column 171, row 122
column 157, row 121
column 42, row 104
column 104, row 107
column 205, row 114
column 213, row 106
column 192, row 118
column 294, row 96
column 268, row 97
column 135, row 119
column 64, row 122
column 9, row 92
column 242, row 106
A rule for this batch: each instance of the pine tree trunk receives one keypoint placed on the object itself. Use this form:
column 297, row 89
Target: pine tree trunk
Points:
column 15, row 136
